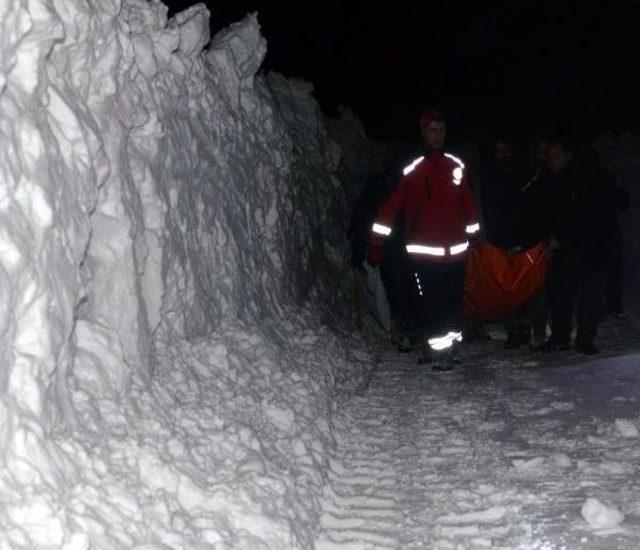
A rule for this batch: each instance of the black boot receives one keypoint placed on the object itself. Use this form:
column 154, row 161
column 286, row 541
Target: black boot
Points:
column 556, row 344
column 446, row 359
column 512, row 341
column 517, row 336
column 404, row 346
column 425, row 355
column 444, row 362
column 588, row 348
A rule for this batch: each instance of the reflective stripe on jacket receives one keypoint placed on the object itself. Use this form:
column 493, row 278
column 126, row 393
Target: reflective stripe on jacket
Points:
column 438, row 209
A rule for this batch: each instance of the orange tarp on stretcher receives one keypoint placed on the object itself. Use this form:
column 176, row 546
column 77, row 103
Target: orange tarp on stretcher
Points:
column 499, row 283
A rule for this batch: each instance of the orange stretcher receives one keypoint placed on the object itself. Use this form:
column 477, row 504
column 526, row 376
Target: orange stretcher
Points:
column 499, row 283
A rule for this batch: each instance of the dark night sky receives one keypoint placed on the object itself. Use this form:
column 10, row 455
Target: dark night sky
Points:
column 514, row 65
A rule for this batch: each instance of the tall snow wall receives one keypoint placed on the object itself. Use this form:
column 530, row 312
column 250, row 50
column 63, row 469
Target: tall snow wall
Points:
column 162, row 206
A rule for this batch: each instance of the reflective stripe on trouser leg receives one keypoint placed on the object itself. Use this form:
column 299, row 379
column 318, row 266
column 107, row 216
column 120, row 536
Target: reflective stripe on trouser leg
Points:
column 440, row 343
column 419, row 283
column 439, row 310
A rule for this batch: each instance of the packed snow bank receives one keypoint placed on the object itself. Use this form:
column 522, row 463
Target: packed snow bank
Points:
column 172, row 250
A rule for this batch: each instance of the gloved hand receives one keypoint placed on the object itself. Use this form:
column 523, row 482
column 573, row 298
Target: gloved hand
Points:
column 475, row 240
column 357, row 259
column 551, row 248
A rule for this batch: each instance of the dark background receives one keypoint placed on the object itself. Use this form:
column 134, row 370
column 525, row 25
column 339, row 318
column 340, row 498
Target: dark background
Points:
column 490, row 66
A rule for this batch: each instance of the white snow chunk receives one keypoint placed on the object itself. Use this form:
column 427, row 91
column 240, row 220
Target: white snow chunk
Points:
column 626, row 428
column 600, row 515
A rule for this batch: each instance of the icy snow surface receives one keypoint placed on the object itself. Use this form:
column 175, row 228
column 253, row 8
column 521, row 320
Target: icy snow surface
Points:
column 513, row 450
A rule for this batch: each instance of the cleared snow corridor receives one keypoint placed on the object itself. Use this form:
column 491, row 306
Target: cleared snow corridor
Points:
column 516, row 452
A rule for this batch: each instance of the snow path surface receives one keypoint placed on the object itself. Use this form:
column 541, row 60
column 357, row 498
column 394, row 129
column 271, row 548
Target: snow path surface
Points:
column 494, row 455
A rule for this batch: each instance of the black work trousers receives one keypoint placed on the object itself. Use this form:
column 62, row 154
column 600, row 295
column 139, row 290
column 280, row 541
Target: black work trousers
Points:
column 399, row 287
column 531, row 317
column 438, row 293
column 571, row 276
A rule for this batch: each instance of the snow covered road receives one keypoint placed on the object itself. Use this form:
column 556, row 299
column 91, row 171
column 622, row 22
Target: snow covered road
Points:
column 501, row 454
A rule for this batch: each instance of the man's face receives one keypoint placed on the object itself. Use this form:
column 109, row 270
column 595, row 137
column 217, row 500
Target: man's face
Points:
column 503, row 153
column 541, row 151
column 434, row 134
column 556, row 158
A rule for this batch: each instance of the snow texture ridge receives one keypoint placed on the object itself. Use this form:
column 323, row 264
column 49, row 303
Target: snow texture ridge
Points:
column 165, row 212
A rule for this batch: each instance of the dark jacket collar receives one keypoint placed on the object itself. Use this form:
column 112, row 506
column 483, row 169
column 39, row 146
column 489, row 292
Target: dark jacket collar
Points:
column 433, row 153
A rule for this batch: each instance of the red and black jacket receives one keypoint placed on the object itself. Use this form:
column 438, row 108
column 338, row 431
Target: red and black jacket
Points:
column 438, row 209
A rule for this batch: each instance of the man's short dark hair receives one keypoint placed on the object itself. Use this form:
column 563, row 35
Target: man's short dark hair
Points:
column 563, row 139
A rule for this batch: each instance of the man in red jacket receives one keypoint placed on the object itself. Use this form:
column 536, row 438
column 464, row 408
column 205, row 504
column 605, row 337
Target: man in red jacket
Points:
column 439, row 217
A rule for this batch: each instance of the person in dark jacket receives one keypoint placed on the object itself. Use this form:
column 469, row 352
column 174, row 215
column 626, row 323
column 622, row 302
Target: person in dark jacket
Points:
column 502, row 203
column 501, row 184
column 393, row 268
column 577, row 210
column 614, row 286
column 531, row 228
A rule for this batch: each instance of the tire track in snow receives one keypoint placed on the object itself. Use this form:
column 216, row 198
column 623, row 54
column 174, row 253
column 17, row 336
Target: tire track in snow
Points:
column 362, row 511
column 409, row 446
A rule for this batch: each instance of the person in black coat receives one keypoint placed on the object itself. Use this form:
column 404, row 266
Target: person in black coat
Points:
column 614, row 286
column 576, row 205
column 500, row 194
column 394, row 269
